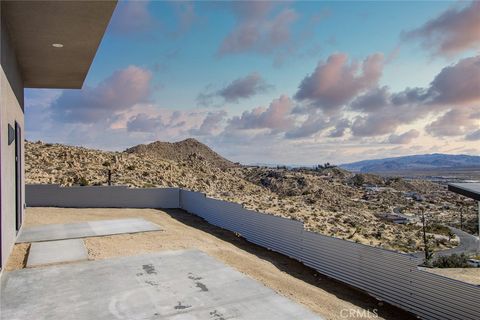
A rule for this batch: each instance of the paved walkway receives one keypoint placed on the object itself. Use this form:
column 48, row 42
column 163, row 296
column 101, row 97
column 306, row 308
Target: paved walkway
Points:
column 60, row 251
column 186, row 284
column 85, row 229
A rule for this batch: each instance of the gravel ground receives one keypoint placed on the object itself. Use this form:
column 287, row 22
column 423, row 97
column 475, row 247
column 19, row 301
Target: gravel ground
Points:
column 470, row 275
column 181, row 230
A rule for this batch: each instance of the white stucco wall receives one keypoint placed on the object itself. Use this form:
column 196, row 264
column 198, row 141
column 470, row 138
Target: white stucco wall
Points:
column 11, row 111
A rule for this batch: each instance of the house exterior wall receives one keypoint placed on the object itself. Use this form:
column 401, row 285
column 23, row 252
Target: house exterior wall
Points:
column 11, row 111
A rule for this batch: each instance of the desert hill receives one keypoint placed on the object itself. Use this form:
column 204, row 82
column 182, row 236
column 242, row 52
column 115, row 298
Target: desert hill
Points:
column 180, row 151
column 331, row 201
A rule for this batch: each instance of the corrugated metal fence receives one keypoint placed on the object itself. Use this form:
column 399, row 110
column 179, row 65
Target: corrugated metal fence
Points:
column 389, row 276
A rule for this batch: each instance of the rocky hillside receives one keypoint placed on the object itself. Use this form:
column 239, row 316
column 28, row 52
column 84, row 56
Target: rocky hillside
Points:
column 331, row 201
column 180, row 151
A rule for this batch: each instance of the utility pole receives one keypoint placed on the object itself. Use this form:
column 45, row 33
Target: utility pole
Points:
column 461, row 218
column 425, row 240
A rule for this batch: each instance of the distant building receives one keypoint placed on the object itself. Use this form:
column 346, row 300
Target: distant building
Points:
column 415, row 196
column 371, row 187
column 396, row 218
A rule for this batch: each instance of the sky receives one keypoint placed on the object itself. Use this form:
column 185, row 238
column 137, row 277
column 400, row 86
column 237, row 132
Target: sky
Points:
column 277, row 82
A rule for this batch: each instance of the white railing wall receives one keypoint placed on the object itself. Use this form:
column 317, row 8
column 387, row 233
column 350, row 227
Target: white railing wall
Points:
column 387, row 275
column 52, row 195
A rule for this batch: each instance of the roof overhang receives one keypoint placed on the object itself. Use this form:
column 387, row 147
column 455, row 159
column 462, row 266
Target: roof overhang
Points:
column 33, row 27
column 470, row 190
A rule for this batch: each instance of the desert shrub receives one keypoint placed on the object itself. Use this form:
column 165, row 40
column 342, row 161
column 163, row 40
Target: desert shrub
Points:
column 377, row 234
column 452, row 261
column 439, row 229
column 148, row 185
column 442, row 241
column 358, row 180
column 131, row 167
column 82, row 181
column 106, row 164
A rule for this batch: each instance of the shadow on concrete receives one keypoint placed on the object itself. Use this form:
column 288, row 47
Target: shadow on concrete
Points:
column 294, row 268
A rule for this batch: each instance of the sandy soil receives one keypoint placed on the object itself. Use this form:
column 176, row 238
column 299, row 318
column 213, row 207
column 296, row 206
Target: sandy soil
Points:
column 470, row 275
column 181, row 230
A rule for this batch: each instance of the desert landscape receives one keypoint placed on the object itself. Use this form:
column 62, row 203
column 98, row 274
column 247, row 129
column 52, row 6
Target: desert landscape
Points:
column 329, row 200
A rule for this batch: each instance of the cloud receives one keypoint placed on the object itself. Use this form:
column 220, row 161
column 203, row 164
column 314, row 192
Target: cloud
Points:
column 238, row 89
column 453, row 31
column 259, row 28
column 243, row 88
column 372, row 100
column 276, row 117
column 455, row 122
column 473, row 136
column 312, row 125
column 337, row 95
column 134, row 18
column 37, row 103
column 410, row 96
column 122, row 90
column 131, row 17
column 186, row 16
column 340, row 127
column 404, row 138
column 144, row 123
column 374, row 125
column 165, row 124
column 335, row 82
column 457, row 84
column 211, row 124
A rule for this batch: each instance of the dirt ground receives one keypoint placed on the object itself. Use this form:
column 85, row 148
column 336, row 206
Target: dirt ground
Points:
column 326, row 297
column 470, row 275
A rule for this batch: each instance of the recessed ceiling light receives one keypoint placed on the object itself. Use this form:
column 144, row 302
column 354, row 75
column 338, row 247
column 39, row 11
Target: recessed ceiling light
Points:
column 57, row 45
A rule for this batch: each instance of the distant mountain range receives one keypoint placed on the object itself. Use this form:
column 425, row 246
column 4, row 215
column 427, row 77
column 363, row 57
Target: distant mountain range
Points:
column 414, row 162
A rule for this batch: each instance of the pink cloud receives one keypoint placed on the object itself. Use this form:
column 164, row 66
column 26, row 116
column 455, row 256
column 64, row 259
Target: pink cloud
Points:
column 454, row 31
column 144, row 123
column 335, row 82
column 312, row 125
column 455, row 87
column 131, row 17
column 119, row 92
column 275, row 117
column 211, row 124
column 457, row 84
column 259, row 28
column 454, row 123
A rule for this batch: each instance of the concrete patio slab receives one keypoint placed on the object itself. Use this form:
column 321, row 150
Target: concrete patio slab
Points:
column 50, row 252
column 185, row 284
column 85, row 229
